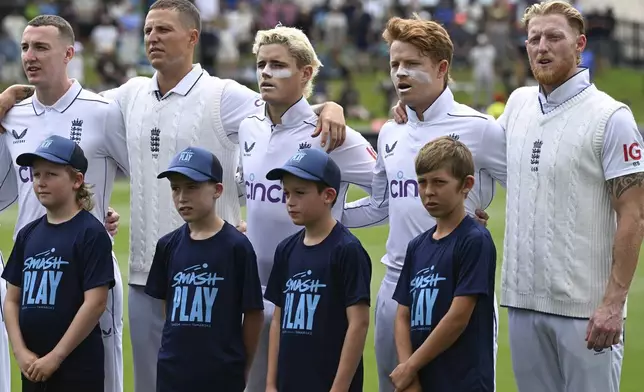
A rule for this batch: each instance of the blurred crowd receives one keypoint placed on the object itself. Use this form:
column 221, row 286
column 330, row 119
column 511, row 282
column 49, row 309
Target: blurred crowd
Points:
column 487, row 35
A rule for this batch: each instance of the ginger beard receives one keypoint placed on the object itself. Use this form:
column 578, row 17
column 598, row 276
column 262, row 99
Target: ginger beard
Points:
column 554, row 73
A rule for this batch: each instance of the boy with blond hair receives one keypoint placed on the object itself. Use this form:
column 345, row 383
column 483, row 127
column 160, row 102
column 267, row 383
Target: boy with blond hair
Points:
column 286, row 67
column 420, row 54
column 445, row 292
column 59, row 274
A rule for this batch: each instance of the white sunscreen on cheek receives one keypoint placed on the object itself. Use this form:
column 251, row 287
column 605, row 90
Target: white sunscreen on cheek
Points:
column 280, row 73
column 417, row 75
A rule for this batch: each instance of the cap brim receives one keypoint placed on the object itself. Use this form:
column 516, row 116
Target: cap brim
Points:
column 277, row 174
column 27, row 159
column 188, row 172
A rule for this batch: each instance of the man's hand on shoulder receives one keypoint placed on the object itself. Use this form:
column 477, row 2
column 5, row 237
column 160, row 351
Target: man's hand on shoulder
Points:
column 481, row 216
column 399, row 113
column 112, row 221
column 331, row 126
column 11, row 96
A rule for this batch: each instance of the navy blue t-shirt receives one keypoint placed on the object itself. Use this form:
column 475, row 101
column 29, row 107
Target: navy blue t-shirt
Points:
column 207, row 285
column 314, row 285
column 54, row 264
column 435, row 271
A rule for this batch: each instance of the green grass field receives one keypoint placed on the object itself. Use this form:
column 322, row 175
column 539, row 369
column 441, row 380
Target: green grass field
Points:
column 374, row 241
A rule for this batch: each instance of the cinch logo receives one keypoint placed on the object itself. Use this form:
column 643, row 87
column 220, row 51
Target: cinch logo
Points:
column 25, row 174
column 402, row 187
column 260, row 192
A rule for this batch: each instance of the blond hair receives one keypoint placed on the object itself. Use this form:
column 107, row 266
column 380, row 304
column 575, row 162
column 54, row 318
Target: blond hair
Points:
column 298, row 46
column 84, row 195
column 428, row 36
column 445, row 153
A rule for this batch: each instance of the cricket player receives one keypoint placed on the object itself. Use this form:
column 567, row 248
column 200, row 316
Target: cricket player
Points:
column 286, row 68
column 420, row 55
column 181, row 105
column 8, row 195
column 62, row 107
column 575, row 208
column 5, row 362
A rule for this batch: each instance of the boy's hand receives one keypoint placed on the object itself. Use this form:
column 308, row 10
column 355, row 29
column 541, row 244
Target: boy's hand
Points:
column 44, row 367
column 402, row 376
column 413, row 387
column 25, row 359
column 271, row 389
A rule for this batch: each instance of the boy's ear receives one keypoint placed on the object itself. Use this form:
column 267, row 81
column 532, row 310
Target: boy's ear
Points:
column 329, row 195
column 219, row 189
column 78, row 178
column 468, row 184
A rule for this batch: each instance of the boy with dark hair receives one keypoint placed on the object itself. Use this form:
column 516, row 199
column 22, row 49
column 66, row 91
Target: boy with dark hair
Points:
column 445, row 318
column 320, row 285
column 206, row 274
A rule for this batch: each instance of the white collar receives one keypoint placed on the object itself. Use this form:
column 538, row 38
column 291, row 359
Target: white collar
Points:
column 63, row 102
column 299, row 112
column 182, row 88
column 439, row 108
column 571, row 87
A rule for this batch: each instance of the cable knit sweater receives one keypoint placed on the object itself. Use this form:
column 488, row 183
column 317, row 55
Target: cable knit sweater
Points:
column 157, row 129
column 559, row 221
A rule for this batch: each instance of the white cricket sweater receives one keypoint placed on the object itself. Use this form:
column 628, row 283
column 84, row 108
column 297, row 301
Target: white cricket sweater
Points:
column 560, row 223
column 157, row 129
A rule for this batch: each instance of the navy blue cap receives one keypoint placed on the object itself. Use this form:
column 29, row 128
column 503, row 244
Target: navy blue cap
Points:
column 197, row 164
column 56, row 149
column 310, row 164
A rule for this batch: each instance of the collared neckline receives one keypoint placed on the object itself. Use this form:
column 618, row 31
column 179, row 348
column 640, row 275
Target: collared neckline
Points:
column 299, row 112
column 571, row 87
column 440, row 107
column 182, row 88
column 63, row 102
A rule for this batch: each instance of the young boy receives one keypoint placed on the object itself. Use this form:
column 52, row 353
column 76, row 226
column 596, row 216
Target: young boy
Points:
column 59, row 274
column 206, row 272
column 320, row 285
column 445, row 292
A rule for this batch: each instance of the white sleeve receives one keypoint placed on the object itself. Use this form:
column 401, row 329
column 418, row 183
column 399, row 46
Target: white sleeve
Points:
column 372, row 210
column 116, row 138
column 492, row 156
column 8, row 179
column 237, row 103
column 622, row 150
column 356, row 159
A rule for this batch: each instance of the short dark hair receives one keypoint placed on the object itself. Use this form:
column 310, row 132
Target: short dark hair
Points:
column 185, row 8
column 64, row 28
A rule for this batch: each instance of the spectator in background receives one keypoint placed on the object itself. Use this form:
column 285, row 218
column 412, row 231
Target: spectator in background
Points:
column 350, row 100
column 335, row 27
column 482, row 58
column 76, row 66
column 104, row 36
